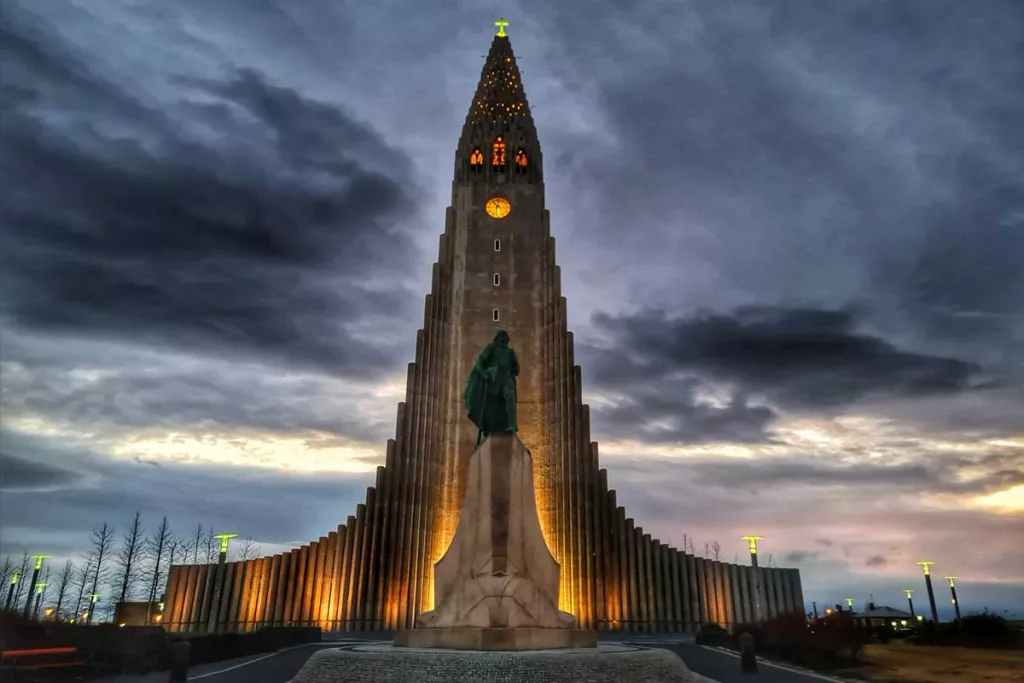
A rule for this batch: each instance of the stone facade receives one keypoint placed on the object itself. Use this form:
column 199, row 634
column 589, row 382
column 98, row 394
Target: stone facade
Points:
column 375, row 572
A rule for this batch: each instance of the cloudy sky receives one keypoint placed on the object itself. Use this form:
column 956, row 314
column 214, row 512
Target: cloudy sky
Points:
column 791, row 237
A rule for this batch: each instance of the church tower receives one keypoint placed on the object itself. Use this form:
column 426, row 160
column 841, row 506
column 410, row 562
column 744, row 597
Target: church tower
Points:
column 495, row 269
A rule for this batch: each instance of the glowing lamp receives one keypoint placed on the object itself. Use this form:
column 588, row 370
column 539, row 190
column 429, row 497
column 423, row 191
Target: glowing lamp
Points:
column 39, row 560
column 224, row 538
column 752, row 542
column 924, row 566
column 950, row 579
column 14, row 578
column 909, row 592
column 849, row 602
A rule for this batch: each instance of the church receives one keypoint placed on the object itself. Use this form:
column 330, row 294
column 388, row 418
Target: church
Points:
column 496, row 267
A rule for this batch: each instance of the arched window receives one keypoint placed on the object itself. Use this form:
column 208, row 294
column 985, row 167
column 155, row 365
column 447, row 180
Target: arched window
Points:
column 476, row 161
column 521, row 162
column 498, row 154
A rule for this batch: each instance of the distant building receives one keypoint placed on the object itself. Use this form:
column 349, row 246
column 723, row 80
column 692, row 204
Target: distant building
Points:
column 877, row 616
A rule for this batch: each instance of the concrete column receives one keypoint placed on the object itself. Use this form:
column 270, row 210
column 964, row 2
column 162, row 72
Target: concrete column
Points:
column 183, row 613
column 355, row 573
column 175, row 590
column 219, row 617
column 769, row 592
column 319, row 584
column 300, row 558
column 633, row 576
column 575, row 502
column 345, row 578
column 798, row 591
column 263, row 610
column 407, row 445
column 559, row 436
column 586, row 506
column 786, row 601
column 661, row 604
column 622, row 560
column 247, row 596
column 373, row 558
column 607, row 579
column 234, row 596
column 686, row 610
column 599, row 533
column 306, row 613
column 703, row 592
column 278, row 589
column 650, row 590
column 362, row 566
column 327, row 585
column 737, row 593
column 396, row 465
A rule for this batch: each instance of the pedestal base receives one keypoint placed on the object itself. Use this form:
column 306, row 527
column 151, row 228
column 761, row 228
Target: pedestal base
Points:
column 497, row 639
column 607, row 663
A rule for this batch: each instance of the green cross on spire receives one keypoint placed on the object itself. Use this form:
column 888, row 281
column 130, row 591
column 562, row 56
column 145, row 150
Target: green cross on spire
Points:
column 501, row 24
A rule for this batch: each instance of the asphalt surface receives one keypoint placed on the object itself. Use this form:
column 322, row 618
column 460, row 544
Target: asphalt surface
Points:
column 281, row 667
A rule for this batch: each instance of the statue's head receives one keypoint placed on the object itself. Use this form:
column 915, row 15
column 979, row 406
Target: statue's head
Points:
column 501, row 336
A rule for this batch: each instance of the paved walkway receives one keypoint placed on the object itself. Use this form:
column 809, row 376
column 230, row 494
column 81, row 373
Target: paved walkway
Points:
column 281, row 666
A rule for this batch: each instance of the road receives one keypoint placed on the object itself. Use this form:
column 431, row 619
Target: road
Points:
column 281, row 667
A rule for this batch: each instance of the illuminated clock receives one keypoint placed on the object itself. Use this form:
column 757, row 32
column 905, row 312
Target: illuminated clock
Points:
column 498, row 207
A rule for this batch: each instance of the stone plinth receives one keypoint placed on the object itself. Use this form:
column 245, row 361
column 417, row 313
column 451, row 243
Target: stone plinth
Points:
column 497, row 639
column 607, row 663
column 498, row 574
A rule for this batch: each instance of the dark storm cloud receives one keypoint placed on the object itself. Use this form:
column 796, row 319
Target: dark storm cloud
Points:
column 798, row 556
column 672, row 411
column 233, row 215
column 815, row 152
column 22, row 473
column 174, row 394
column 229, row 497
column 801, row 357
column 876, row 561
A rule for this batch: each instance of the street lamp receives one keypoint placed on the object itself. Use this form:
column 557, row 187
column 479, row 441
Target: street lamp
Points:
column 952, row 589
column 35, row 577
column 94, row 598
column 218, row 578
column 10, row 591
column 931, row 592
column 39, row 598
column 752, row 543
column 910, row 600
column 849, row 603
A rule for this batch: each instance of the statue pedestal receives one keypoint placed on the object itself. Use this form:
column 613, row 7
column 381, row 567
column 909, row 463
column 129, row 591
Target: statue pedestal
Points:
column 496, row 588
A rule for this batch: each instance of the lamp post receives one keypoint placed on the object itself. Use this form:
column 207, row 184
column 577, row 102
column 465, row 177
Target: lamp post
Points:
column 752, row 543
column 931, row 592
column 849, row 603
column 910, row 600
column 39, row 598
column 952, row 589
column 94, row 598
column 218, row 578
column 10, row 591
column 35, row 577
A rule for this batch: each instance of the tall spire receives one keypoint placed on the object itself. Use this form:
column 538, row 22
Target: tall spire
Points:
column 500, row 109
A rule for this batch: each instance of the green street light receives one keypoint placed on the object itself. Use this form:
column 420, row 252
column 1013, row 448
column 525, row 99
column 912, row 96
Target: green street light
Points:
column 952, row 589
column 224, row 538
column 35, row 577
column 925, row 567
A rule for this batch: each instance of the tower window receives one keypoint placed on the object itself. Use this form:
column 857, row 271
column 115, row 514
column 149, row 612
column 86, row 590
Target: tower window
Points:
column 498, row 155
column 521, row 162
column 497, row 280
column 497, row 245
column 476, row 161
column 494, row 315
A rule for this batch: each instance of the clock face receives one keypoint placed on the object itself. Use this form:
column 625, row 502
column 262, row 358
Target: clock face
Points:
column 498, row 207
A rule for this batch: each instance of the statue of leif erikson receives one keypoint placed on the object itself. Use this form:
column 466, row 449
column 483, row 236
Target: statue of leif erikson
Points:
column 490, row 394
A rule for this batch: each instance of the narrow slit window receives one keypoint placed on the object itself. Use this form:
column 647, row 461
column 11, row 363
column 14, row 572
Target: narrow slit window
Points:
column 476, row 161
column 494, row 315
column 498, row 155
column 497, row 245
column 497, row 280
column 521, row 162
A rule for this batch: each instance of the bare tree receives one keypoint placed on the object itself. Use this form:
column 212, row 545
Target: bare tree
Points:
column 716, row 550
column 195, row 546
column 102, row 545
column 158, row 547
column 249, row 549
column 129, row 558
column 83, row 583
column 211, row 549
column 771, row 560
column 6, row 570
column 693, row 548
column 64, row 580
column 707, row 550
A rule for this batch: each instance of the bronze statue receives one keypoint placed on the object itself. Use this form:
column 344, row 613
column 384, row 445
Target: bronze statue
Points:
column 490, row 394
